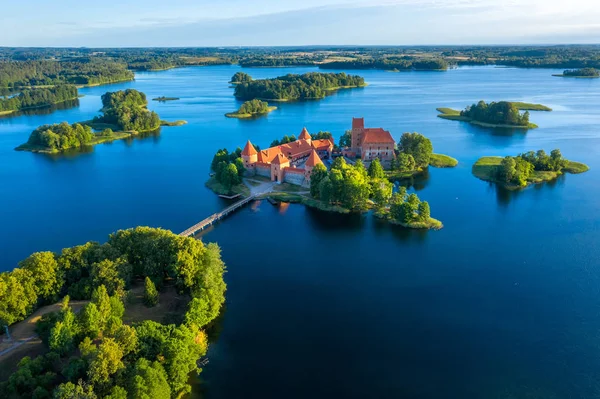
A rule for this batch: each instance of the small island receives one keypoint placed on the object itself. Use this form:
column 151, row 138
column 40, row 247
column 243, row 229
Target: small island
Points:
column 124, row 114
column 37, row 98
column 580, row 73
column 240, row 77
column 525, row 169
column 309, row 86
column 502, row 114
column 292, row 170
column 250, row 109
column 165, row 99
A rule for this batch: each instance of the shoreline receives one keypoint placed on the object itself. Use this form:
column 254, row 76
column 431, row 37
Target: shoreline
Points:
column 16, row 111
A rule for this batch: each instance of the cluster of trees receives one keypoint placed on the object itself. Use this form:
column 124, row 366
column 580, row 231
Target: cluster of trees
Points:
column 414, row 151
column 80, row 72
column 497, row 113
column 350, row 186
column 312, row 85
column 254, row 107
column 241, row 77
column 61, row 136
column 228, row 167
column 517, row 170
column 39, row 97
column 127, row 110
column 587, row 72
column 389, row 63
column 92, row 353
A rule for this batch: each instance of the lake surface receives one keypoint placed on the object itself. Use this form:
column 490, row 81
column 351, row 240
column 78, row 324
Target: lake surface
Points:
column 504, row 302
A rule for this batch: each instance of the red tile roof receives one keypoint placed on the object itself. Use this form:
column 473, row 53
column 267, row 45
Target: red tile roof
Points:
column 268, row 154
column 249, row 149
column 296, row 148
column 304, row 135
column 313, row 160
column 322, row 144
column 377, row 135
column 280, row 159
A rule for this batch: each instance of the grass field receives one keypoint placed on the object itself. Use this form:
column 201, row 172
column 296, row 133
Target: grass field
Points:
column 442, row 161
column 530, row 107
column 174, row 123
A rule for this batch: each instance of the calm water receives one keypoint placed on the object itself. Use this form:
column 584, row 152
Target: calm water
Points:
column 504, row 302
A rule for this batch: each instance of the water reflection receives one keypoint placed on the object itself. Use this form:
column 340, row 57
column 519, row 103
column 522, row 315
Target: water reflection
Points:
column 505, row 196
column 45, row 110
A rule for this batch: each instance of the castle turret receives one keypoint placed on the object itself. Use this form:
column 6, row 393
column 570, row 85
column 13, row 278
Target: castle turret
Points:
column 278, row 165
column 304, row 135
column 249, row 156
column 312, row 161
column 358, row 129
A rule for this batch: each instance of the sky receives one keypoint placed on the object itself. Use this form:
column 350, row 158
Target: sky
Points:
column 195, row 23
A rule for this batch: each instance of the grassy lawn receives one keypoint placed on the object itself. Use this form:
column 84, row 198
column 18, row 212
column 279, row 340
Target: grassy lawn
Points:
column 218, row 188
column 171, row 306
column 174, row 123
column 394, row 175
column 576, row 167
column 530, row 107
column 442, row 161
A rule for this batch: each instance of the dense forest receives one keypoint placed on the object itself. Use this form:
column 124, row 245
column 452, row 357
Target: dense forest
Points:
column 389, row 64
column 93, row 353
column 127, row 110
column 517, row 170
column 497, row 113
column 41, row 73
column 39, row 97
column 60, row 136
column 312, row 85
column 584, row 72
column 254, row 107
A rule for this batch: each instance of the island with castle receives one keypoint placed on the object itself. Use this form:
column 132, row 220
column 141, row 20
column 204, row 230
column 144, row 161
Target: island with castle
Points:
column 317, row 173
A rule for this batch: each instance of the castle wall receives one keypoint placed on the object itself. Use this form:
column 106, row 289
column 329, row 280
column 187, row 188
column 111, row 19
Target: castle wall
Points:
column 294, row 178
column 264, row 171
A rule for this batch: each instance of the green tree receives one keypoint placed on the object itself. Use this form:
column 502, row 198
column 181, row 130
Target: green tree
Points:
column 424, row 211
column 63, row 333
column 404, row 163
column 375, row 170
column 118, row 392
column 382, row 192
column 44, row 270
column 346, row 139
column 105, row 362
column 418, row 146
column 17, row 296
column 69, row 390
column 89, row 321
column 150, row 293
column 149, row 381
column 126, row 338
column 319, row 172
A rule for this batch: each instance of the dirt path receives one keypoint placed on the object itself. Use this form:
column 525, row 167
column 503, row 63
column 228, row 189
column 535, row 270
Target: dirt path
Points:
column 259, row 187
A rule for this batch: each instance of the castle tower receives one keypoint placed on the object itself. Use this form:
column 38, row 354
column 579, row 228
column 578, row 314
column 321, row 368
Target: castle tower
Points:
column 278, row 164
column 312, row 161
column 249, row 156
column 304, row 135
column 358, row 129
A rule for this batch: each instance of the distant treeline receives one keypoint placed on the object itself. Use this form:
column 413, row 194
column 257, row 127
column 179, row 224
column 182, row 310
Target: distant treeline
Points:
column 41, row 73
column 399, row 64
column 31, row 98
column 274, row 61
column 312, row 85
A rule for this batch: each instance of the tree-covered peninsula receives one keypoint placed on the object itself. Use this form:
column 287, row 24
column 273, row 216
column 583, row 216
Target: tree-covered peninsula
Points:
column 89, row 72
column 96, row 352
column 240, row 77
column 495, row 114
column 581, row 73
column 251, row 109
column 524, row 169
column 124, row 114
column 37, row 98
column 313, row 85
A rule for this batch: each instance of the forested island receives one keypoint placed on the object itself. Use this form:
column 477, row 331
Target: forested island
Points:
column 37, row 98
column 240, row 77
column 112, row 347
column 495, row 114
column 124, row 114
column 581, row 73
column 524, row 169
column 250, row 109
column 313, row 85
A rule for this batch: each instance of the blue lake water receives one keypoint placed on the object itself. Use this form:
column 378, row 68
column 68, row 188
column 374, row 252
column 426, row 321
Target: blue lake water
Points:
column 504, row 302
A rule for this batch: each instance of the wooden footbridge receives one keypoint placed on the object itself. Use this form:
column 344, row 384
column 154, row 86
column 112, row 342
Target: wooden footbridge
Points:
column 217, row 216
